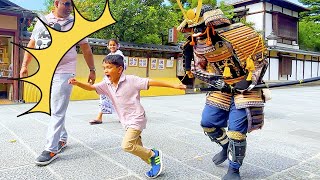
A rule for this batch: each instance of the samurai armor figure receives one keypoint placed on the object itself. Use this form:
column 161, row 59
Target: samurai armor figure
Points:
column 232, row 59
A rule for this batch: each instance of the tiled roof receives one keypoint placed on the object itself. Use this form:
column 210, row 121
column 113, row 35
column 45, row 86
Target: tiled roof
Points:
column 127, row 45
column 11, row 8
column 296, row 51
column 281, row 3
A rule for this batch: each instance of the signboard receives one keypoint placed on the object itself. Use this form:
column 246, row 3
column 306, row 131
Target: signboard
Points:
column 173, row 35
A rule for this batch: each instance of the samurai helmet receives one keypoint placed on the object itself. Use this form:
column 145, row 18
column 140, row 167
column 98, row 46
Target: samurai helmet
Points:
column 192, row 16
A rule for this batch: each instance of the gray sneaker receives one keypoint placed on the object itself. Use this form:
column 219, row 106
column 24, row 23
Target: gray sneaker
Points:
column 61, row 146
column 46, row 158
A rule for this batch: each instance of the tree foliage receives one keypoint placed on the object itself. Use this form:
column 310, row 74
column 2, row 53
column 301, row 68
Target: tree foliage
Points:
column 138, row 21
column 141, row 22
column 309, row 26
column 309, row 35
column 49, row 5
column 314, row 13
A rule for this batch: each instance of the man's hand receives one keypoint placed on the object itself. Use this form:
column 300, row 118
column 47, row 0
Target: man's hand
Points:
column 23, row 71
column 180, row 86
column 73, row 81
column 85, row 86
column 26, row 59
column 88, row 56
column 221, row 85
column 92, row 77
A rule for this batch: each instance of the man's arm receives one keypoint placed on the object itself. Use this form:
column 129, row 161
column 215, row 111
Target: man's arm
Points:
column 26, row 59
column 188, row 56
column 153, row 82
column 84, row 86
column 88, row 56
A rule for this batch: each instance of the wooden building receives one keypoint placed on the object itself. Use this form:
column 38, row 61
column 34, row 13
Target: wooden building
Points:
column 13, row 23
column 279, row 19
column 144, row 60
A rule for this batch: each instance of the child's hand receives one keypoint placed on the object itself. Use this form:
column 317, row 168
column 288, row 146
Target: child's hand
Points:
column 72, row 81
column 180, row 86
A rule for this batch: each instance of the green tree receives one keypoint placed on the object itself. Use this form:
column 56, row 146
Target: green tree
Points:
column 309, row 35
column 227, row 9
column 309, row 26
column 139, row 21
column 194, row 3
column 49, row 5
column 187, row 4
column 314, row 13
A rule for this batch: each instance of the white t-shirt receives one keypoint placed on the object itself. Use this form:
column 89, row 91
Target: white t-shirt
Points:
column 118, row 52
column 43, row 40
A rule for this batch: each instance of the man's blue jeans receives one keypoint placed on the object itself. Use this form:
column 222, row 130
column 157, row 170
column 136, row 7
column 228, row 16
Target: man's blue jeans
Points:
column 235, row 119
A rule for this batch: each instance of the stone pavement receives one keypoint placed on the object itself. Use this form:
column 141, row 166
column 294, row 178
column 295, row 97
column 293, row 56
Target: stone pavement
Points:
column 288, row 147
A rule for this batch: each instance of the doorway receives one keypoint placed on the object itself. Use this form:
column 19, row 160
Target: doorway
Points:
column 6, row 68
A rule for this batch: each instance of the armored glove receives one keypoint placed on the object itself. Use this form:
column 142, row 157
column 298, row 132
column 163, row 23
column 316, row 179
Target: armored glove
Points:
column 244, row 85
column 221, row 85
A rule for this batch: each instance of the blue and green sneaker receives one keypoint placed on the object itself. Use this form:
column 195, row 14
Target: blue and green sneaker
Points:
column 156, row 164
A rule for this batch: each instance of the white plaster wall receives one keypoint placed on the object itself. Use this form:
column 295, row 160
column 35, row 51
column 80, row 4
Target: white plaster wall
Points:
column 318, row 68
column 297, row 70
column 268, row 7
column 266, row 74
column 255, row 7
column 257, row 19
column 315, row 68
column 284, row 77
column 277, row 8
column 287, row 12
column 300, row 70
column 274, row 68
column 307, row 69
column 240, row 8
column 295, row 14
column 268, row 28
column 293, row 75
column 285, row 45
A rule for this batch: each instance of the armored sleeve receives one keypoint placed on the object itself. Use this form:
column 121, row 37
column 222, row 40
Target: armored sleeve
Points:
column 187, row 55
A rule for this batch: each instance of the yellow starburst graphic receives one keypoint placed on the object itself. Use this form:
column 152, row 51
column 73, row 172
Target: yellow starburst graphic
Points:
column 49, row 58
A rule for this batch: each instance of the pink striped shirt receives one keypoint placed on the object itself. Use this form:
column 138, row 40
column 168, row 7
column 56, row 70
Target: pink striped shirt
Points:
column 126, row 99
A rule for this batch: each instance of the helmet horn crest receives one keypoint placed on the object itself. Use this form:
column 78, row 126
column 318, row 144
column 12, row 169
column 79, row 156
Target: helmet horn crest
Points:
column 191, row 16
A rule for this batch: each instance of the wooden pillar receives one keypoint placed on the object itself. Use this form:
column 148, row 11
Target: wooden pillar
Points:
column 148, row 63
column 16, row 67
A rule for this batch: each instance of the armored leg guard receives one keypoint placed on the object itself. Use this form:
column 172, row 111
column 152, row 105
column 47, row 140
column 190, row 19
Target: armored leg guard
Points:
column 236, row 154
column 218, row 136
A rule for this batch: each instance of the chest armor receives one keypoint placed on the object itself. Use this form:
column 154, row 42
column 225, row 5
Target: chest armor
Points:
column 237, row 44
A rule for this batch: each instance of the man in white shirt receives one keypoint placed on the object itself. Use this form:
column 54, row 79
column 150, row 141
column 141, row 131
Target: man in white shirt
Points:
column 61, row 19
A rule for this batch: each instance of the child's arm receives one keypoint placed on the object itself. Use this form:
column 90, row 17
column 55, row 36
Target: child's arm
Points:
column 153, row 82
column 87, row 87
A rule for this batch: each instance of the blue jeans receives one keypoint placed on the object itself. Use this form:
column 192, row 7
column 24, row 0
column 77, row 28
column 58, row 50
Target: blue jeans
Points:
column 235, row 119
